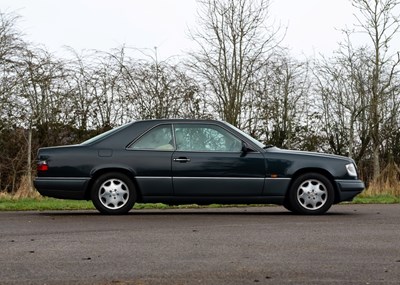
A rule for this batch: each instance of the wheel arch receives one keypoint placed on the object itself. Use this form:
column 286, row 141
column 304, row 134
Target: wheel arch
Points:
column 98, row 172
column 321, row 171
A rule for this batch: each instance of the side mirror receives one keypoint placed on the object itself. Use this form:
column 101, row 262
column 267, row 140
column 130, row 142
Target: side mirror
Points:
column 245, row 148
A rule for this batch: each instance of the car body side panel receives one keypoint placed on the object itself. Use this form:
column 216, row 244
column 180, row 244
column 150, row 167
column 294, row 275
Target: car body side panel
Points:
column 70, row 161
column 207, row 200
column 63, row 188
column 284, row 163
column 152, row 170
column 218, row 174
column 276, row 186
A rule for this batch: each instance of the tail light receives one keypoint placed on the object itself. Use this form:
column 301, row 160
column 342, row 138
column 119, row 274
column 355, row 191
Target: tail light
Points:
column 42, row 165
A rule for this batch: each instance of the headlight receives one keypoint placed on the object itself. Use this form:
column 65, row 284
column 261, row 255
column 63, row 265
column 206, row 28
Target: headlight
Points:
column 351, row 170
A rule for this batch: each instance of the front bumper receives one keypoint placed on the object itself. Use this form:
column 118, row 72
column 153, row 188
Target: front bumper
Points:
column 348, row 189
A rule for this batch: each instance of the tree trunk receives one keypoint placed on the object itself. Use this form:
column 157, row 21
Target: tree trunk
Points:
column 29, row 162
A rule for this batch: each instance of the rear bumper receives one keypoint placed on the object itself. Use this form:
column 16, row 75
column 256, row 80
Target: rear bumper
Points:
column 62, row 187
column 348, row 189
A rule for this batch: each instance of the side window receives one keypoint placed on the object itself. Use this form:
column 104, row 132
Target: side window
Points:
column 209, row 138
column 159, row 138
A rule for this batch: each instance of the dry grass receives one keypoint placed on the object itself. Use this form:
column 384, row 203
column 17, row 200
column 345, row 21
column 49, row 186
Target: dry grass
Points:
column 388, row 182
column 26, row 190
column 5, row 195
column 379, row 188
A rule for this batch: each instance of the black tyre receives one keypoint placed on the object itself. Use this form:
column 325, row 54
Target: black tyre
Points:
column 113, row 193
column 287, row 206
column 311, row 193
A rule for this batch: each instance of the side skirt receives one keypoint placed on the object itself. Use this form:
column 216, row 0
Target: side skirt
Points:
column 278, row 200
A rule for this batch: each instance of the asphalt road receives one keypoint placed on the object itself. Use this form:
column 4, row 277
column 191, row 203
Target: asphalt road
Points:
column 352, row 244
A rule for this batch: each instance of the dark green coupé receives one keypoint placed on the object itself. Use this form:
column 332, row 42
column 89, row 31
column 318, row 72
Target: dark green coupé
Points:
column 192, row 161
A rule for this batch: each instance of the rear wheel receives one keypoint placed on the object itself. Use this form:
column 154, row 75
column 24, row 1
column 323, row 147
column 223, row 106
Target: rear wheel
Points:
column 311, row 193
column 113, row 193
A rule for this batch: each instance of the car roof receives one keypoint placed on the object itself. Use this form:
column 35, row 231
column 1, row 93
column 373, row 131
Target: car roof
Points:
column 180, row 120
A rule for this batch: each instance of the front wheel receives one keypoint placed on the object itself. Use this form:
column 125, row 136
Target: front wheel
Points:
column 311, row 193
column 113, row 193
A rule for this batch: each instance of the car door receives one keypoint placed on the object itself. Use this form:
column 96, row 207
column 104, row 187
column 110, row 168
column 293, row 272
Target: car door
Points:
column 150, row 157
column 208, row 161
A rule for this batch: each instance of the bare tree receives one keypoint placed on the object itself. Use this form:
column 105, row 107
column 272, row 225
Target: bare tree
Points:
column 80, row 90
column 11, row 47
column 233, row 42
column 39, row 99
column 11, row 42
column 343, row 86
column 378, row 20
column 157, row 89
column 277, row 104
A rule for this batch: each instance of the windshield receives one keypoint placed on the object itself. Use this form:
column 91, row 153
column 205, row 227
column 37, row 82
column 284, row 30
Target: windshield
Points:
column 250, row 138
column 103, row 135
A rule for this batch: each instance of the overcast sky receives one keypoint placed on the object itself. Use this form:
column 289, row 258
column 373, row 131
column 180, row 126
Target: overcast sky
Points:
column 312, row 25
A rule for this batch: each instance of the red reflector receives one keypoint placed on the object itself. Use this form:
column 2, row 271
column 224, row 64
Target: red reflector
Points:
column 42, row 166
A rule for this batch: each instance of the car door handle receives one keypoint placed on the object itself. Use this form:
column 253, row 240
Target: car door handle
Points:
column 182, row 159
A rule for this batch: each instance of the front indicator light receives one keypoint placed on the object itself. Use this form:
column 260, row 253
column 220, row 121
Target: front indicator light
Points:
column 351, row 170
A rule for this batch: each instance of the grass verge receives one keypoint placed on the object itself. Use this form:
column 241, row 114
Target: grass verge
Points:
column 376, row 199
column 41, row 204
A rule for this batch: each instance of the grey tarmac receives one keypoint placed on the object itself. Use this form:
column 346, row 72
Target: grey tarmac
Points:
column 351, row 244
